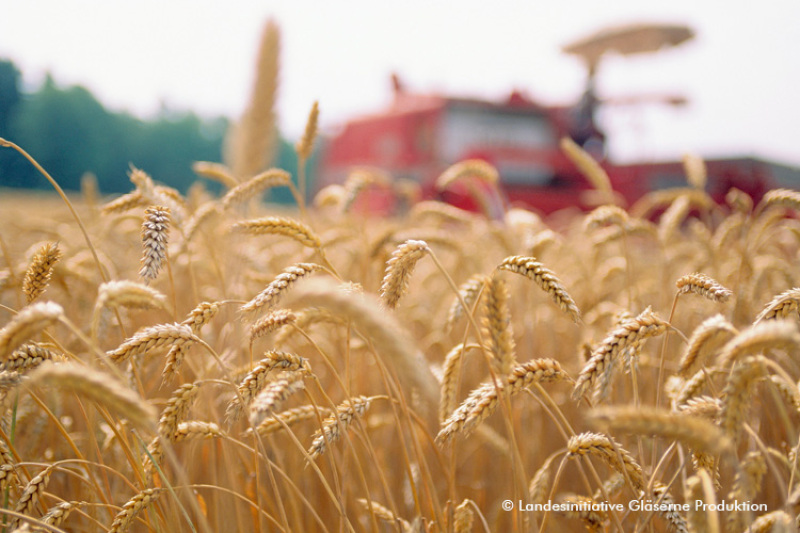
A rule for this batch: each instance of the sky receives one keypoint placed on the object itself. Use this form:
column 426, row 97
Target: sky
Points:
column 740, row 73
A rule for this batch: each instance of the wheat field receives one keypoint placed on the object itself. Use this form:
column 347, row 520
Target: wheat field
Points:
column 217, row 363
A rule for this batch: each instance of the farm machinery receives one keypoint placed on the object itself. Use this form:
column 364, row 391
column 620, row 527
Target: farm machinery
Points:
column 420, row 135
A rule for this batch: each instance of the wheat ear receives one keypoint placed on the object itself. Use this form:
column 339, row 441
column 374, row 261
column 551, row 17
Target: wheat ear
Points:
column 270, row 323
column 704, row 286
column 132, row 508
column 483, row 401
column 737, row 393
column 759, row 337
column 695, row 169
column 469, row 291
column 470, row 168
column 215, row 171
column 155, row 231
column 250, row 188
column 27, row 323
column 531, row 268
column 29, row 356
column 385, row 514
column 399, row 269
column 270, row 296
column 152, row 338
column 781, row 306
column 257, row 378
column 627, row 336
column 176, row 409
column 284, row 226
column 41, row 268
column 497, row 327
column 706, row 339
column 388, row 337
column 697, row 433
column 250, row 145
column 611, row 453
column 97, row 386
column 334, row 425
column 289, row 418
column 273, row 395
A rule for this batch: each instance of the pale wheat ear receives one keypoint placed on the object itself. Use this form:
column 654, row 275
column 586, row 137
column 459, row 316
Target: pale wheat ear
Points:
column 280, row 226
column 250, row 188
column 703, row 285
column 155, row 232
column 41, row 268
column 531, row 268
column 250, row 145
column 399, row 269
column 131, row 508
column 101, row 388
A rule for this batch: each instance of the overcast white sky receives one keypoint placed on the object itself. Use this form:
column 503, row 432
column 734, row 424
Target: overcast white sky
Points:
column 741, row 73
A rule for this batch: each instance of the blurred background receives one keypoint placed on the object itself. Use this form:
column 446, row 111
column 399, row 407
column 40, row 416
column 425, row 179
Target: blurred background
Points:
column 95, row 86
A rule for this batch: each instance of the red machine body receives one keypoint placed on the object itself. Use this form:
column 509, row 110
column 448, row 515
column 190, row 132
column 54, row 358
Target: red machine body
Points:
column 419, row 136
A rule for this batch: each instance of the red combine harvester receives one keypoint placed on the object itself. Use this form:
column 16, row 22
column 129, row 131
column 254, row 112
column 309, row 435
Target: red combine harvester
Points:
column 419, row 136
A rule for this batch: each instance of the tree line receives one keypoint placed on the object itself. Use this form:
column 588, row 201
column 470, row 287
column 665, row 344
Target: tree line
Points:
column 69, row 132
